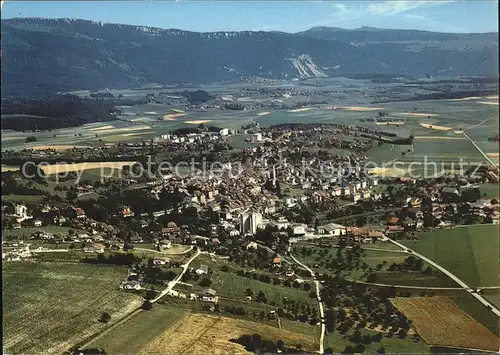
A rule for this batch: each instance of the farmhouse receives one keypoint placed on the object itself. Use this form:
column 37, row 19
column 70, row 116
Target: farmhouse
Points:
column 99, row 248
column 132, row 285
column 203, row 269
column 277, row 261
column 162, row 261
column 332, row 229
column 209, row 295
column 80, row 213
column 252, row 245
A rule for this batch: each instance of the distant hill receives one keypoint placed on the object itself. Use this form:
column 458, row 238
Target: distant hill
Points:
column 43, row 56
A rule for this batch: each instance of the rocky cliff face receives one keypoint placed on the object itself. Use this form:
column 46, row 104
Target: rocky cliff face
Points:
column 42, row 56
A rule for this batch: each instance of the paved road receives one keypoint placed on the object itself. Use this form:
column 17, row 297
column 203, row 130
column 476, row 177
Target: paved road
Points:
column 318, row 297
column 480, row 151
column 453, row 277
column 480, row 123
column 175, row 281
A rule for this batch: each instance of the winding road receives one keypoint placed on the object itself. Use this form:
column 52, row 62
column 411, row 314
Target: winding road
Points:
column 175, row 281
column 318, row 297
column 464, row 286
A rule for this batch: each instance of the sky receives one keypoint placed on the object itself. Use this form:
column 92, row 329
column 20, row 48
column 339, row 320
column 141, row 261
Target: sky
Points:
column 287, row 16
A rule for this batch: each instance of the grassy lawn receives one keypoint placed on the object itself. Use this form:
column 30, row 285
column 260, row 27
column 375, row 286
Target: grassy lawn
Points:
column 302, row 328
column 383, row 245
column 375, row 257
column 27, row 232
column 37, row 294
column 137, row 332
column 471, row 253
column 489, row 190
column 31, row 199
column 393, row 345
column 476, row 310
column 232, row 286
column 492, row 296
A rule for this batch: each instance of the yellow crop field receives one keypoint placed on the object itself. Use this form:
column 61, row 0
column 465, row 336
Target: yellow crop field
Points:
column 442, row 323
column 360, row 108
column 206, row 334
column 436, row 127
column 198, row 122
column 173, row 116
column 418, row 114
column 63, row 168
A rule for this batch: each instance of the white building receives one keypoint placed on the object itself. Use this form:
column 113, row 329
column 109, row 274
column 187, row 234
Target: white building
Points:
column 257, row 137
column 249, row 222
column 299, row 229
column 224, row 132
column 21, row 211
column 332, row 229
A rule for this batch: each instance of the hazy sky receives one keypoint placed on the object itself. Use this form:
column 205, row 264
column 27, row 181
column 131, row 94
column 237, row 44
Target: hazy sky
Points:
column 288, row 16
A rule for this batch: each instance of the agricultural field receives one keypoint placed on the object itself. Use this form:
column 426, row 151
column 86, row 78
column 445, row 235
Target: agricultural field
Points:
column 136, row 333
column 34, row 294
column 477, row 310
column 32, row 199
column 203, row 334
column 24, row 233
column 442, row 323
column 471, row 253
column 375, row 258
column 229, row 285
column 489, row 190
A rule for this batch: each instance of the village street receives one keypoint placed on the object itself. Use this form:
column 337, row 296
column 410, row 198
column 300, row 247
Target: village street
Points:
column 174, row 282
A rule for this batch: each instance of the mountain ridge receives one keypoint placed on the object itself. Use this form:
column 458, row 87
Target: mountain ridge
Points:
column 43, row 56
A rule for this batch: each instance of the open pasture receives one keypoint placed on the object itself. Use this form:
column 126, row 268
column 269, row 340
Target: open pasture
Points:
column 434, row 156
column 137, row 332
column 48, row 307
column 471, row 253
column 442, row 323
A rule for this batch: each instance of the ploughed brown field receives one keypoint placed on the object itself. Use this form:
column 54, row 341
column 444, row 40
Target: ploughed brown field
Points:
column 442, row 323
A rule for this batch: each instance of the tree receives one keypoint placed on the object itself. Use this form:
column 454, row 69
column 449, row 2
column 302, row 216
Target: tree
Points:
column 381, row 350
column 360, row 221
column 280, row 345
column 348, row 350
column 367, row 339
column 261, row 297
column 359, row 348
column 151, row 294
column 249, row 292
column 377, row 337
column 428, row 271
column 105, row 317
column 205, row 282
column 147, row 306
column 356, row 337
column 371, row 277
column 402, row 334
